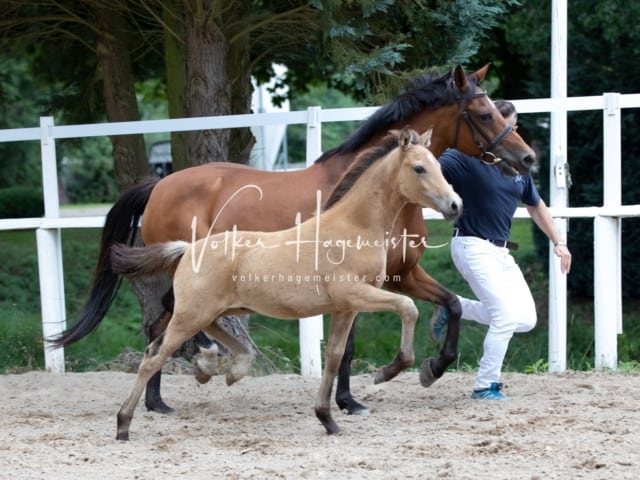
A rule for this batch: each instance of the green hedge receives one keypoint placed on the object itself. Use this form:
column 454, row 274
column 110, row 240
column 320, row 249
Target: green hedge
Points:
column 21, row 202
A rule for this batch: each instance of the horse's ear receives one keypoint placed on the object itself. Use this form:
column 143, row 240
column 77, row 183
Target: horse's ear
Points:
column 460, row 79
column 482, row 73
column 425, row 138
column 406, row 136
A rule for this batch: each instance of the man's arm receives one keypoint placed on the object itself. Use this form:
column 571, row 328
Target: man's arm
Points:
column 543, row 219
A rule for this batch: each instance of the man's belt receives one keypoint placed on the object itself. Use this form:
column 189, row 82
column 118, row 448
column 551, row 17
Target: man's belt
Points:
column 498, row 243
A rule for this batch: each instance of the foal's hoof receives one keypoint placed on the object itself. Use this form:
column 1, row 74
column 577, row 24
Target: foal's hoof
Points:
column 207, row 365
column 231, row 379
column 381, row 376
column 201, row 376
column 427, row 377
column 327, row 421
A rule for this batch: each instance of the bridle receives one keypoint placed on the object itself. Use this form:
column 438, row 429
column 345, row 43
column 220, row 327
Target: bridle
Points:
column 486, row 155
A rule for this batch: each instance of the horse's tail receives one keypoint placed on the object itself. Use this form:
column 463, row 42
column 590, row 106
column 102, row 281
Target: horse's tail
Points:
column 137, row 262
column 120, row 227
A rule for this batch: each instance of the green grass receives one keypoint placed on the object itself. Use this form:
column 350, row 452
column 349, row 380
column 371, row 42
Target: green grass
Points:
column 20, row 315
column 378, row 335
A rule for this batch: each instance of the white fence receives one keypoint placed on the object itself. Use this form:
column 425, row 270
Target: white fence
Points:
column 608, row 313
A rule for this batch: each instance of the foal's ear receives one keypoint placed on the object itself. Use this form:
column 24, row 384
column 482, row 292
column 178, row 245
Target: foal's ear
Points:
column 425, row 138
column 406, row 137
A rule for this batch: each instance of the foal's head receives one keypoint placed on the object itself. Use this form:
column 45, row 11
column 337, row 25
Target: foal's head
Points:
column 420, row 177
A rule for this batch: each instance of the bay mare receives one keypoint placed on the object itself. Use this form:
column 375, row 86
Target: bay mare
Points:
column 462, row 116
column 213, row 276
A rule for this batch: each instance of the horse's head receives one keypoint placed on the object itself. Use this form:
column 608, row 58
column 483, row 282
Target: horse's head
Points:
column 420, row 177
column 482, row 131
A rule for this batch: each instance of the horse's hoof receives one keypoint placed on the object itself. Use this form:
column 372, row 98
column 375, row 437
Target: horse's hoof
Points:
column 360, row 410
column 347, row 404
column 201, row 376
column 427, row 377
column 158, row 405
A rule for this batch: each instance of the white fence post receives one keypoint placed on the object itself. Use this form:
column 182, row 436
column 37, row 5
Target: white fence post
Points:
column 558, row 188
column 48, row 241
column 311, row 333
column 607, row 251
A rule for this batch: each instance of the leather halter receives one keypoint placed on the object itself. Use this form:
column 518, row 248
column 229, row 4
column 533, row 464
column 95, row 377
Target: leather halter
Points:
column 486, row 155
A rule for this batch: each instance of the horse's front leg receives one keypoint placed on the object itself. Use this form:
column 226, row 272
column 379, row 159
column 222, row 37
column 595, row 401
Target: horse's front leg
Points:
column 419, row 284
column 344, row 399
column 341, row 324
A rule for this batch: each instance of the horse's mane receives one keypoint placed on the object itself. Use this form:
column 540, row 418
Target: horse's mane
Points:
column 430, row 90
column 362, row 163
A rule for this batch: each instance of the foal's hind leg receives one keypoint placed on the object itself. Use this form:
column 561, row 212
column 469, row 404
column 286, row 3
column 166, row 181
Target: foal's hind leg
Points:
column 153, row 399
column 155, row 355
column 242, row 356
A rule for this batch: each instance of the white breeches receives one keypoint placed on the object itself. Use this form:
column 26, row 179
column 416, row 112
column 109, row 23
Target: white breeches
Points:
column 504, row 304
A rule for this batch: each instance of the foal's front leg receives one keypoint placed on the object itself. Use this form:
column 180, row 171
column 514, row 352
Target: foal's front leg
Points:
column 338, row 332
column 367, row 298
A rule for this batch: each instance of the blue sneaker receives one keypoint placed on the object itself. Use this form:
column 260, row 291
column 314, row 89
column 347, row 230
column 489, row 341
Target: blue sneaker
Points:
column 491, row 393
column 438, row 324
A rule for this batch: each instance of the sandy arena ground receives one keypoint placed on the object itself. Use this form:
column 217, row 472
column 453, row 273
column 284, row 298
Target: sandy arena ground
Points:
column 556, row 426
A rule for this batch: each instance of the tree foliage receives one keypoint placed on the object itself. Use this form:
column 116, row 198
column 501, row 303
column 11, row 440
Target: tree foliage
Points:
column 603, row 44
column 206, row 51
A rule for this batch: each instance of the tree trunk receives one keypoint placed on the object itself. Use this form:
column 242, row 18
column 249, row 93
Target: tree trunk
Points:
column 176, row 68
column 129, row 154
column 241, row 140
column 208, row 91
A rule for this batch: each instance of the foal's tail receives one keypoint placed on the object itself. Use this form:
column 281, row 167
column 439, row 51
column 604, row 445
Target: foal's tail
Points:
column 136, row 262
column 120, row 227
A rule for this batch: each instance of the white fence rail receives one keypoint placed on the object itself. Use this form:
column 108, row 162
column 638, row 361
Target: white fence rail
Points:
column 607, row 217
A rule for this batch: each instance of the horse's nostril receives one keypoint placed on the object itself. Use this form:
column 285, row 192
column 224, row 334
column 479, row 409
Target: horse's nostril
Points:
column 529, row 160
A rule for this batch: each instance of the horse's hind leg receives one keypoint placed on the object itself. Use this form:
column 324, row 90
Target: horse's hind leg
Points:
column 153, row 399
column 242, row 356
column 344, row 399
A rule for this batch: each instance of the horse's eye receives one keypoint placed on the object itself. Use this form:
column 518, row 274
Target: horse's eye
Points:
column 485, row 117
column 419, row 169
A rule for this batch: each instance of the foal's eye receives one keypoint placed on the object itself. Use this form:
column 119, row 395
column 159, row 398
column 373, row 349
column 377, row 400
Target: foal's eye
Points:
column 419, row 169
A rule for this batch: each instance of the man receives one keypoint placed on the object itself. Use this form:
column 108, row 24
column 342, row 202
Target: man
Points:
column 480, row 252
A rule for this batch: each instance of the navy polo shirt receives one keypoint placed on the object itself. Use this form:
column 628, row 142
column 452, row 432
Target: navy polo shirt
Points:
column 489, row 197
